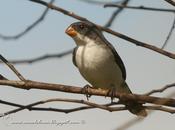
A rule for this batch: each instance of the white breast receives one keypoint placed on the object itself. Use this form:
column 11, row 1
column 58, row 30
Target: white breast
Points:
column 97, row 65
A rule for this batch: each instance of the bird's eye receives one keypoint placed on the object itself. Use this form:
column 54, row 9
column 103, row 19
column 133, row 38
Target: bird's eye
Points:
column 82, row 26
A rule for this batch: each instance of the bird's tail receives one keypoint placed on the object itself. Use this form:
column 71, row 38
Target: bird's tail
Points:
column 134, row 107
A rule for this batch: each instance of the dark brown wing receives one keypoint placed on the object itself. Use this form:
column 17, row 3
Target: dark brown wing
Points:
column 118, row 60
column 73, row 56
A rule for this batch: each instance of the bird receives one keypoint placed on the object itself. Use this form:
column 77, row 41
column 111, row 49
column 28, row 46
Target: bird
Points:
column 98, row 61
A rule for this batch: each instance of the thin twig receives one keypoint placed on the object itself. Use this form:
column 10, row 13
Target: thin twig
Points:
column 29, row 28
column 72, row 109
column 122, row 36
column 160, row 90
column 116, row 13
column 140, row 8
column 169, row 34
column 40, row 58
column 12, row 68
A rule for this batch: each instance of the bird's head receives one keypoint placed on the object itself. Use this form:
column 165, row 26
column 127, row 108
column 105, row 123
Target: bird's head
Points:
column 83, row 32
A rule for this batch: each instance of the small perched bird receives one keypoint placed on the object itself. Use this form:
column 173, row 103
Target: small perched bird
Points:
column 98, row 62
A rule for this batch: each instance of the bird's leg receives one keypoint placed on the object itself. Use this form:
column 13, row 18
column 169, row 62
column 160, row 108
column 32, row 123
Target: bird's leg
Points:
column 85, row 90
column 111, row 92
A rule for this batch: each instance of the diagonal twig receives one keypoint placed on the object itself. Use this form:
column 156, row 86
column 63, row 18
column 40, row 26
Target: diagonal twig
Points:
column 30, row 27
column 116, row 13
column 169, row 34
column 12, row 68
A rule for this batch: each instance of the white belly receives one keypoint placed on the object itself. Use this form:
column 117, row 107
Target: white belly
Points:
column 97, row 65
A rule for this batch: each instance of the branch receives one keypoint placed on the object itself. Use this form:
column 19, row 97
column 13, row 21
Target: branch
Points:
column 12, row 68
column 161, row 89
column 27, row 84
column 170, row 2
column 160, row 108
column 169, row 34
column 89, row 105
column 122, row 36
column 116, row 13
column 30, row 27
column 40, row 58
column 140, row 8
column 78, row 90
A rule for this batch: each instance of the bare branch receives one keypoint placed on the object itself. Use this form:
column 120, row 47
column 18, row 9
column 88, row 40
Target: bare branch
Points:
column 116, row 13
column 30, row 27
column 12, row 68
column 122, row 36
column 161, row 89
column 70, row 110
column 169, row 34
column 78, row 90
column 170, row 2
column 41, row 58
column 140, row 8
column 90, row 105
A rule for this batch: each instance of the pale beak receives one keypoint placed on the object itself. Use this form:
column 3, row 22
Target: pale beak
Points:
column 71, row 31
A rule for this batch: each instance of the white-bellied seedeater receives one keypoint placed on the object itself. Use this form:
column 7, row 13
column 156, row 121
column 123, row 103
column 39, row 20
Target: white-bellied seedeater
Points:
column 98, row 62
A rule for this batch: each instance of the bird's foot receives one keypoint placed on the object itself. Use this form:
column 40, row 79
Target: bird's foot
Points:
column 85, row 90
column 111, row 92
